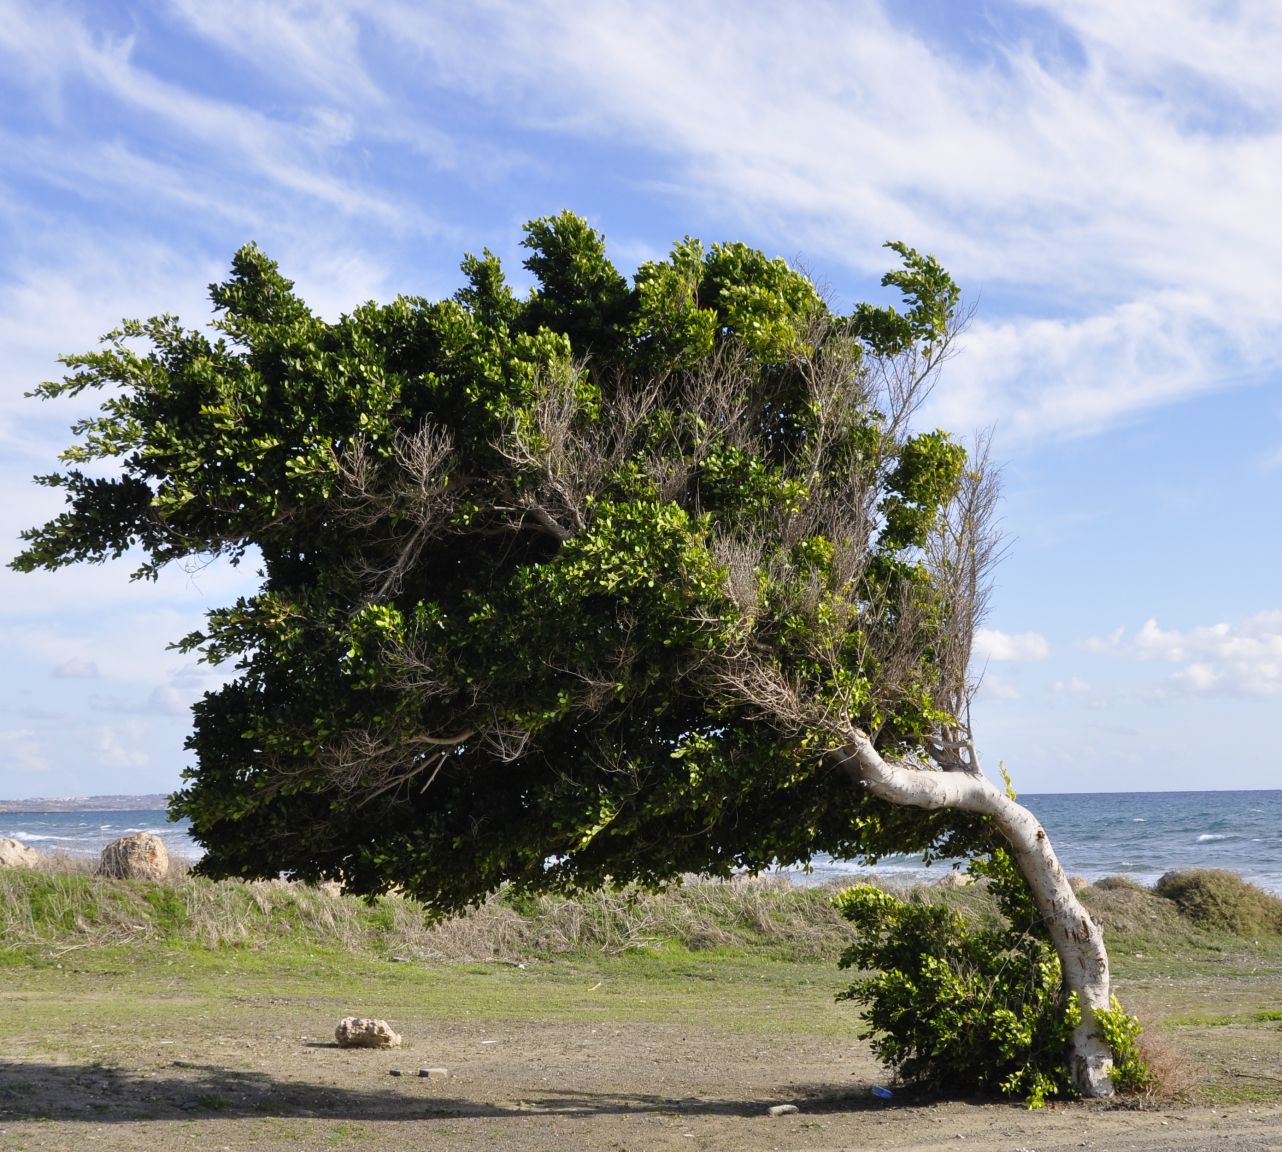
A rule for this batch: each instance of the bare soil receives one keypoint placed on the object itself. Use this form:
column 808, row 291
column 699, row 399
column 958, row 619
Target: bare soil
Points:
column 261, row 1072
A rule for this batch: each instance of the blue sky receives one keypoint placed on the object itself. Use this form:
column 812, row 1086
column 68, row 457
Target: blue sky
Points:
column 1102, row 179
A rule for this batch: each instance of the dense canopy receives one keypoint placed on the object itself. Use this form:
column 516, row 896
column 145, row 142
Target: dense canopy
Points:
column 580, row 585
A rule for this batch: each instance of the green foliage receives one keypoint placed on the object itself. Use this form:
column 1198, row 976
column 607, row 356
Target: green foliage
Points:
column 555, row 590
column 959, row 1007
column 1121, row 1032
column 1217, row 899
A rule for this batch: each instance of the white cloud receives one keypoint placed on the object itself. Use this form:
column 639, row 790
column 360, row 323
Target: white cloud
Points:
column 308, row 45
column 76, row 669
column 166, row 700
column 116, row 748
column 20, row 752
column 1100, row 644
column 992, row 644
column 1073, row 686
column 1241, row 659
column 1141, row 239
column 1082, row 694
column 994, row 688
column 290, row 155
column 163, row 700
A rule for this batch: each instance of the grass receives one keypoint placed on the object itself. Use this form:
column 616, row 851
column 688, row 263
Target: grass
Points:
column 47, row 910
column 1216, row 899
column 753, row 957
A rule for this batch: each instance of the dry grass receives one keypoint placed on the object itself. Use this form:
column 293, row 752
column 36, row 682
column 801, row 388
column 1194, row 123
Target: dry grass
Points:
column 64, row 903
column 1220, row 900
column 1172, row 1079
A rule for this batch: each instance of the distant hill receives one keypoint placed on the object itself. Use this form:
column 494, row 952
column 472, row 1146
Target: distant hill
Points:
column 86, row 803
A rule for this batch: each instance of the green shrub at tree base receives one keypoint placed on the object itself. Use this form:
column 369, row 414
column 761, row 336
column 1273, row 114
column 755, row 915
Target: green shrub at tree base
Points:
column 1121, row 1032
column 959, row 1007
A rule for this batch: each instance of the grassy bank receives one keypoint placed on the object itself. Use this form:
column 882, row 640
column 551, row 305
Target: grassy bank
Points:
column 1190, row 918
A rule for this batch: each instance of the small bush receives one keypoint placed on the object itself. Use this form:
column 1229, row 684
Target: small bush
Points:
column 961, row 1007
column 1220, row 900
column 1121, row 1032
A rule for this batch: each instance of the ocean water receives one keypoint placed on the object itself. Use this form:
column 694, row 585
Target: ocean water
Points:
column 1137, row 834
column 88, row 833
column 1140, row 835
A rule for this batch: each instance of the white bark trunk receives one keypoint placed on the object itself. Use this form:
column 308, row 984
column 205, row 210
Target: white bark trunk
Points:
column 1076, row 938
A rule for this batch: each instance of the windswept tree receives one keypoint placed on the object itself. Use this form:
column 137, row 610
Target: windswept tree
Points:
column 606, row 583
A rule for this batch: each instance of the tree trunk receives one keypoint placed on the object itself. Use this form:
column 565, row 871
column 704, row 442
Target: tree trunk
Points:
column 1075, row 936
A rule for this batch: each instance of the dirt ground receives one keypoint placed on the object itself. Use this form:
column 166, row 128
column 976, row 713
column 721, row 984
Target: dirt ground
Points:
column 531, row 1086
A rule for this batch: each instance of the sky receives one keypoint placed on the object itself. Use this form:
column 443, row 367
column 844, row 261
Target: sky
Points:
column 1102, row 179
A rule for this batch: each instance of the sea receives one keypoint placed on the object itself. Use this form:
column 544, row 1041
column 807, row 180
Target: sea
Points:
column 1135, row 834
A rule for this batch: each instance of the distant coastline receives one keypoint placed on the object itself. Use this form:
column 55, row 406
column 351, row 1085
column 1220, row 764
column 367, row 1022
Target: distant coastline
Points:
column 147, row 802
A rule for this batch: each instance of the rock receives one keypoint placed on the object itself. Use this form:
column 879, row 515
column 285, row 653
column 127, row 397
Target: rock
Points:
column 783, row 1110
column 434, row 1073
column 364, row 1032
column 141, row 856
column 1078, row 883
column 954, row 880
column 16, row 854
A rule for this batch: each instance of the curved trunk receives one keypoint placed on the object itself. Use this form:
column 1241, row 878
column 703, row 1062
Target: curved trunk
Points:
column 1075, row 936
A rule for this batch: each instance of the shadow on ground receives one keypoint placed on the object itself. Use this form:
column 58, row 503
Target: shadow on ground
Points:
column 91, row 1093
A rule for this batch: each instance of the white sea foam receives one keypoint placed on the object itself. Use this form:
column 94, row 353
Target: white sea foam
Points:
column 1207, row 837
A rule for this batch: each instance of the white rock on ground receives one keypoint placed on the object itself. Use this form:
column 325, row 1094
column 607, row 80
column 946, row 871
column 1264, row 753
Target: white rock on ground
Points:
column 364, row 1032
column 141, row 856
column 16, row 854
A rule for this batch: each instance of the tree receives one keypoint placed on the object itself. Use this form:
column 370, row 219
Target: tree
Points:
column 604, row 584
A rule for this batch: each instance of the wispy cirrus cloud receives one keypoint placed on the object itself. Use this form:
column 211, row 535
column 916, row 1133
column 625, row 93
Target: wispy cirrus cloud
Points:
column 53, row 47
column 1126, row 231
column 1102, row 178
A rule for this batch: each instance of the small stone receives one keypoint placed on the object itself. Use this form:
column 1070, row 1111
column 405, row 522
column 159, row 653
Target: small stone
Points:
column 365, row 1032
column 436, row 1073
column 395, row 1072
column 783, row 1110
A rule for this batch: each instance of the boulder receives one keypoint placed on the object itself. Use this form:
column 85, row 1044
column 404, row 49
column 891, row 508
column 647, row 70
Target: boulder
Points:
column 364, row 1032
column 141, row 856
column 954, row 880
column 16, row 854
